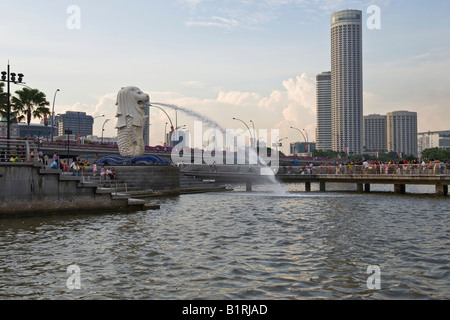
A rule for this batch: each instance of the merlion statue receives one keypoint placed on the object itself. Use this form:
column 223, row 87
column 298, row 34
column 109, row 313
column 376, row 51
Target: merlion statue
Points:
column 131, row 103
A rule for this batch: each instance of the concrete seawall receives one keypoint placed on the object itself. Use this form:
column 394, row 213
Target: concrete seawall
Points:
column 28, row 190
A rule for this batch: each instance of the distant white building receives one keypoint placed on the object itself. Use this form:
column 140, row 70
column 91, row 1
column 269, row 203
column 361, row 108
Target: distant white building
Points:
column 435, row 139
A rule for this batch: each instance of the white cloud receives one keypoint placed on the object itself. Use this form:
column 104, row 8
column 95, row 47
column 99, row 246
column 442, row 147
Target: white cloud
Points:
column 239, row 98
column 290, row 105
column 215, row 21
column 193, row 84
column 302, row 90
column 192, row 3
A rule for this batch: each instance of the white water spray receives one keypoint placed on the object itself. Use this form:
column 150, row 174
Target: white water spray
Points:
column 277, row 187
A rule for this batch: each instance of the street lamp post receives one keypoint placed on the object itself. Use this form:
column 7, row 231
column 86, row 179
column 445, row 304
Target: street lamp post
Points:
column 172, row 128
column 254, row 131
column 53, row 113
column 93, row 119
column 165, row 135
column 103, row 127
column 307, row 140
column 9, row 77
column 251, row 135
column 170, row 120
column 279, row 141
column 306, row 135
column 301, row 133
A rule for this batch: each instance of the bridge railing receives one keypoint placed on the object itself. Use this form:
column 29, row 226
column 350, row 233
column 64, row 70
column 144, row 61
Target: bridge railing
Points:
column 18, row 151
column 378, row 169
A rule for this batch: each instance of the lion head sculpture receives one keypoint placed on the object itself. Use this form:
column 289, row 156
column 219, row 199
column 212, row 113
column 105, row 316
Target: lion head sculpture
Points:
column 131, row 103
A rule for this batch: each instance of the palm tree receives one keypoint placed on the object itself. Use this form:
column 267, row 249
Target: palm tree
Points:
column 14, row 115
column 29, row 104
column 3, row 101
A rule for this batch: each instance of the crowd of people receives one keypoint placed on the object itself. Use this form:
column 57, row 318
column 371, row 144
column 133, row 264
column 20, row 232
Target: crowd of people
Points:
column 77, row 167
column 371, row 167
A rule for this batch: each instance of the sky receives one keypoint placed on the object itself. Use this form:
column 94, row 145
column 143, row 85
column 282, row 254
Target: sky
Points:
column 251, row 59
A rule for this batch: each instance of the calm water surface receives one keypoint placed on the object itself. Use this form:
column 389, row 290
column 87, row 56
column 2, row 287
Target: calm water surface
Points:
column 237, row 245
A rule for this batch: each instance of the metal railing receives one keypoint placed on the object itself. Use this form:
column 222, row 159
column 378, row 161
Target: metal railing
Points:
column 18, row 151
column 377, row 169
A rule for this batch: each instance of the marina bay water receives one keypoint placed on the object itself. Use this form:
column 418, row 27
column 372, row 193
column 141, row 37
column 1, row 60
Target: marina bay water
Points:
column 237, row 245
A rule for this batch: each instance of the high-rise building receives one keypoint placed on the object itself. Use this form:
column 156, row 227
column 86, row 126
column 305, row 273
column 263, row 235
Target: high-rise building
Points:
column 146, row 129
column 323, row 98
column 402, row 132
column 375, row 133
column 77, row 122
column 347, row 81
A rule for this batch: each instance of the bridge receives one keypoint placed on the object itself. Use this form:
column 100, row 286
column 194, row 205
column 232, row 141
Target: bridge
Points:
column 363, row 177
column 74, row 150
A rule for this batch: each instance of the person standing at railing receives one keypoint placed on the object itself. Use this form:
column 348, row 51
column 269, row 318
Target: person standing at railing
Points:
column 55, row 157
column 441, row 167
column 94, row 169
column 76, row 168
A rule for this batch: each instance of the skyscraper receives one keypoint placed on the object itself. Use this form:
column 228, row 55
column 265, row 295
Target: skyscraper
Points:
column 375, row 133
column 323, row 128
column 146, row 129
column 78, row 122
column 347, row 81
column 402, row 132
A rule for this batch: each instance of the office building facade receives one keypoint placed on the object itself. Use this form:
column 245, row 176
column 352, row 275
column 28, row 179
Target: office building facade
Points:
column 375, row 133
column 323, row 100
column 78, row 122
column 402, row 132
column 13, row 129
column 303, row 148
column 347, row 81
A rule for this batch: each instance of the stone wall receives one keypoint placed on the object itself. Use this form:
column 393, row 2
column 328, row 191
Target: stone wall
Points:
column 157, row 178
column 29, row 189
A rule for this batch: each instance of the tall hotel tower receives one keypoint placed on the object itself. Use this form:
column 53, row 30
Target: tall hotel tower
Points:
column 347, row 81
column 402, row 132
column 323, row 128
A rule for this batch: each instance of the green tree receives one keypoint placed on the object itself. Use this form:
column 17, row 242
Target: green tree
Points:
column 29, row 104
column 3, row 101
column 14, row 114
column 432, row 154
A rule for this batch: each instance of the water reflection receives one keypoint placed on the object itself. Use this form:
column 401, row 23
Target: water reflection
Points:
column 236, row 246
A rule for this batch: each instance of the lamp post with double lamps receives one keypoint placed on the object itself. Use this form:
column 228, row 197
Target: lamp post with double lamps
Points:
column 251, row 135
column 9, row 77
column 307, row 139
column 301, row 133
